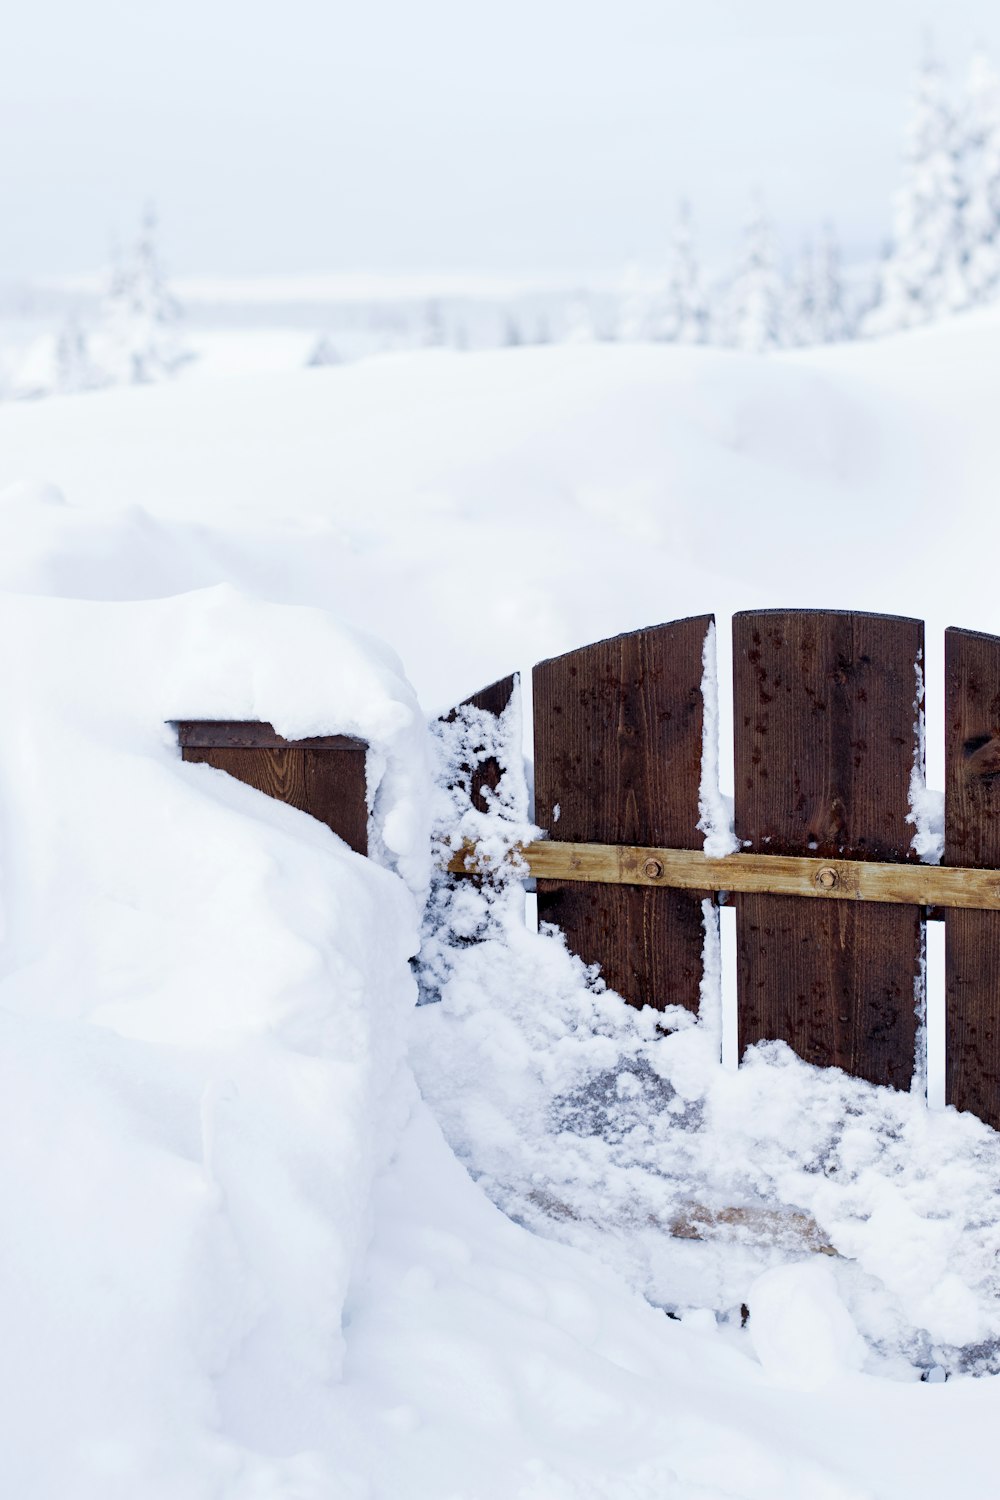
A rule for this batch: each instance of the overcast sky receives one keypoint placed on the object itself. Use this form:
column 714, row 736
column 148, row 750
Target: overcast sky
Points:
column 443, row 134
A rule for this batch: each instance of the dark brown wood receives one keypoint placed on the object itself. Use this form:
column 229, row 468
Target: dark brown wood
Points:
column 618, row 743
column 825, row 740
column 328, row 782
column 972, row 839
column 239, row 735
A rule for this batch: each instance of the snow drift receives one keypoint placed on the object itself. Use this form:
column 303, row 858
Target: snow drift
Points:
column 202, row 999
column 241, row 1259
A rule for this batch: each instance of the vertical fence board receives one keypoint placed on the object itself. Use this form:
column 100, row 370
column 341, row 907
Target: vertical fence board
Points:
column 972, row 838
column 337, row 792
column 491, row 700
column 618, row 740
column 824, row 741
column 323, row 777
column 470, row 771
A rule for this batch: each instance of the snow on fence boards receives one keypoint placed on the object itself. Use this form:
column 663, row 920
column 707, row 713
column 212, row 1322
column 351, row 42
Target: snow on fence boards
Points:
column 972, row 838
column 826, row 738
column 324, row 776
column 485, row 772
column 618, row 752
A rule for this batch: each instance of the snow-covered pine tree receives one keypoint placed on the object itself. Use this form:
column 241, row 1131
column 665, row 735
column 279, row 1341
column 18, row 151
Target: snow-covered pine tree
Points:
column 981, row 123
column 323, row 352
column 579, row 321
column 634, row 323
column 140, row 338
column 74, row 369
column 755, row 297
column 433, row 334
column 683, row 315
column 832, row 321
column 926, row 274
column 800, row 319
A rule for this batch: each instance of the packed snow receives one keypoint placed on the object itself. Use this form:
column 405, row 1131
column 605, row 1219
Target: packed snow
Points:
column 275, row 1229
column 623, row 1134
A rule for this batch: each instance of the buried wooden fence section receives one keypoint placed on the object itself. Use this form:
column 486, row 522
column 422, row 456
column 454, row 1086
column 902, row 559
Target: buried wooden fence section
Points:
column 972, row 839
column 324, row 776
column 485, row 770
column 828, row 729
column 828, row 734
column 618, row 750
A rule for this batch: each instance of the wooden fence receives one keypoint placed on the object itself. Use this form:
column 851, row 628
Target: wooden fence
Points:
column 323, row 776
column 827, row 738
column 828, row 734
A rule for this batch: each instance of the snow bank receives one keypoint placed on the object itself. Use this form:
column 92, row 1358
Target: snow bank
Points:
column 452, row 503
column 240, row 1262
column 203, row 1003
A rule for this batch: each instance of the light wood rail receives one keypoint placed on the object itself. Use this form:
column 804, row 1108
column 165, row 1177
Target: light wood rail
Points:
column 774, row 874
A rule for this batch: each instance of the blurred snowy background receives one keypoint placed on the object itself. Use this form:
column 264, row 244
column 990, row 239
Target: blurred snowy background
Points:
column 763, row 180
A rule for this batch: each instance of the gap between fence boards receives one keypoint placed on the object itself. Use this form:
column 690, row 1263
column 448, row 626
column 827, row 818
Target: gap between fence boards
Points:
column 933, row 886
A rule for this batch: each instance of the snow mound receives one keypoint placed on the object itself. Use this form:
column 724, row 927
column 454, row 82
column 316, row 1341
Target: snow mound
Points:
column 240, row 1260
column 801, row 1331
column 203, row 1002
column 413, row 491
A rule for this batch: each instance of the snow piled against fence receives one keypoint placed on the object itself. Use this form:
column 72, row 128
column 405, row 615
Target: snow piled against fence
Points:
column 239, row 1260
column 203, row 1006
column 621, row 1133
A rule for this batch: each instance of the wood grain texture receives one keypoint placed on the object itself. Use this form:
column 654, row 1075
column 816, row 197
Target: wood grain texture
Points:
column 329, row 784
column 778, row 874
column 337, row 793
column 825, row 741
column 972, row 838
column 618, row 736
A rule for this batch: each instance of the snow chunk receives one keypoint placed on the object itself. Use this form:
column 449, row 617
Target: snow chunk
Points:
column 801, row 1331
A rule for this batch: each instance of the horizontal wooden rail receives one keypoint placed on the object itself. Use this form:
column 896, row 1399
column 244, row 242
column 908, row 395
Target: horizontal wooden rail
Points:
column 773, row 874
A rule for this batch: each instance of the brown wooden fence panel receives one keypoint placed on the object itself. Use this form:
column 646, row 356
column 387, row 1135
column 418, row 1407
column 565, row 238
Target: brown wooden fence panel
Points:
column 972, row 838
column 323, row 776
column 824, row 742
column 618, row 739
column 491, row 700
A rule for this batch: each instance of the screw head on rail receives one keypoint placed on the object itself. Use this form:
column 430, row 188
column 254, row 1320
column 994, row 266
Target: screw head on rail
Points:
column 827, row 878
column 652, row 869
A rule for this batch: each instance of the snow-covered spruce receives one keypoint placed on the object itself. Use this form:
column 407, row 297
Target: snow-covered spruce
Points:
column 139, row 338
column 754, row 312
column 926, row 275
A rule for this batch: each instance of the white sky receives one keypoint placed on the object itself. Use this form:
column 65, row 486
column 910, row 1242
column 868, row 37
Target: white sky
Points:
column 388, row 134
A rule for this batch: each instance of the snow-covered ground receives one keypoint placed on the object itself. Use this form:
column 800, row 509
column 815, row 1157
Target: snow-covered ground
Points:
column 241, row 1258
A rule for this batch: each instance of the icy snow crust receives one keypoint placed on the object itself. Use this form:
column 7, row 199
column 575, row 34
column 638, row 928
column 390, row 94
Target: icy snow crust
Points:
column 239, row 1258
